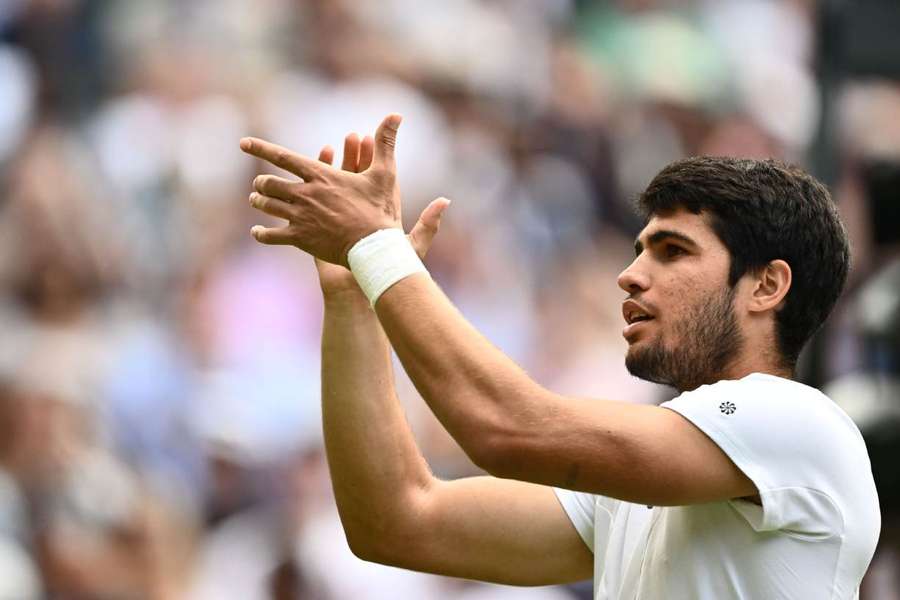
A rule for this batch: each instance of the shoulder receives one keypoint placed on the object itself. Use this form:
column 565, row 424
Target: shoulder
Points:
column 786, row 429
column 804, row 454
column 769, row 406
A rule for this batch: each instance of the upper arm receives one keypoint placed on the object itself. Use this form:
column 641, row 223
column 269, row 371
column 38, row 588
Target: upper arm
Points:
column 636, row 453
column 495, row 530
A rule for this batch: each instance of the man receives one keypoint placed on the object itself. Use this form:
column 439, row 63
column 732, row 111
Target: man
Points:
column 748, row 485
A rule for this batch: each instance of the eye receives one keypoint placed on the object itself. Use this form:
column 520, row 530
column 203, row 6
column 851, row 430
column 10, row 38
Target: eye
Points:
column 673, row 251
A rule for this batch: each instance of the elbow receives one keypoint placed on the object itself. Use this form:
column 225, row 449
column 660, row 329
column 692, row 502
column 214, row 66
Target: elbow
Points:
column 384, row 537
column 361, row 545
column 365, row 538
column 371, row 547
column 368, row 550
column 391, row 551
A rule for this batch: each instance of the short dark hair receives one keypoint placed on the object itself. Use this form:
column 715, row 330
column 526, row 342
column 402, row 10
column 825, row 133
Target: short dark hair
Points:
column 763, row 210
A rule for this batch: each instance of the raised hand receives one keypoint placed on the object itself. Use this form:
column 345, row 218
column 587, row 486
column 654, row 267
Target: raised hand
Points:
column 358, row 156
column 330, row 210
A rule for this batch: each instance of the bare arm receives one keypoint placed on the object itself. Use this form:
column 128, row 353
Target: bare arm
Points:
column 514, row 428
column 507, row 423
column 394, row 511
column 392, row 508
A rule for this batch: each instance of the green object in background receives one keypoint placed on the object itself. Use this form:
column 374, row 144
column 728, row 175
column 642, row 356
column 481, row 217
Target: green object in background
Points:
column 657, row 55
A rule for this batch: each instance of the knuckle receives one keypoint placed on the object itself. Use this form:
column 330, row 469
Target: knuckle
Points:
column 295, row 191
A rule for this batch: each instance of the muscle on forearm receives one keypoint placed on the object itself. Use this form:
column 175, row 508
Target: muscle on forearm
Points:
column 376, row 468
column 481, row 396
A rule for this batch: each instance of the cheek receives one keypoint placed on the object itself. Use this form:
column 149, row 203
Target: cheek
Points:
column 678, row 306
column 676, row 296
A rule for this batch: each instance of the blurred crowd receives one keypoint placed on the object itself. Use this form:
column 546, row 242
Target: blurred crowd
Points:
column 159, row 370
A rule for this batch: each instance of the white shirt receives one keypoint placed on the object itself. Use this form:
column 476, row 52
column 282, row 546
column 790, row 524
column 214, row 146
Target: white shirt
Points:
column 812, row 538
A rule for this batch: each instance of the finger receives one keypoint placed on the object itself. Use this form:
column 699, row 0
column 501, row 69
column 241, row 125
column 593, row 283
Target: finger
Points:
column 273, row 235
column 281, row 157
column 366, row 152
column 277, row 187
column 326, row 155
column 422, row 234
column 351, row 153
column 273, row 206
column 386, row 141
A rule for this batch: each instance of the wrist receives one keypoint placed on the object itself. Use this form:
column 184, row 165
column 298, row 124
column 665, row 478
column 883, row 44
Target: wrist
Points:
column 345, row 298
column 381, row 259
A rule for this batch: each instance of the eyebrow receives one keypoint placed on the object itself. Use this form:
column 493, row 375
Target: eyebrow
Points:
column 660, row 235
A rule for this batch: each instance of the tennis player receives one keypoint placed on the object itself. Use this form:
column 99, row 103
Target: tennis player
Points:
column 747, row 485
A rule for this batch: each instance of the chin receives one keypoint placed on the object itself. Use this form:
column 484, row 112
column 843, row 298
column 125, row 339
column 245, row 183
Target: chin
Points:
column 639, row 346
column 635, row 362
column 650, row 362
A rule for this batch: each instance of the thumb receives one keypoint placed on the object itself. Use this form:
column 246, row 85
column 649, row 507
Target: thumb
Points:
column 386, row 140
column 422, row 234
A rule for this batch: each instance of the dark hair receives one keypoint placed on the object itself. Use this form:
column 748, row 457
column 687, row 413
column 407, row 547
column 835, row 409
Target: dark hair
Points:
column 764, row 210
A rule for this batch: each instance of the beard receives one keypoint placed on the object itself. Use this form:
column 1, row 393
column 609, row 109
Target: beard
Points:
column 709, row 339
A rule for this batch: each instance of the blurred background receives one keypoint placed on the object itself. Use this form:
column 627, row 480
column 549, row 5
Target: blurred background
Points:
column 159, row 392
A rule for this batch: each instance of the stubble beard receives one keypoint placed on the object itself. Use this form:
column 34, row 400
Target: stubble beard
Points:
column 709, row 338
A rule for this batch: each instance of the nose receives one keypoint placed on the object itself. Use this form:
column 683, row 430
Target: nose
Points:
column 633, row 279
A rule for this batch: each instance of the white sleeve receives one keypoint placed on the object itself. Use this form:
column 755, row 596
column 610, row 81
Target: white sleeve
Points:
column 580, row 508
column 790, row 440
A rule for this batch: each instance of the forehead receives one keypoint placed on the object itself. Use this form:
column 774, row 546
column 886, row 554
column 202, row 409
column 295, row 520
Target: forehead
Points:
column 682, row 223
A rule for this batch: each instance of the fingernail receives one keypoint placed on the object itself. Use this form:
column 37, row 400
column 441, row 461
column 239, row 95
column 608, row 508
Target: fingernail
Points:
column 256, row 230
column 246, row 144
column 252, row 198
column 394, row 120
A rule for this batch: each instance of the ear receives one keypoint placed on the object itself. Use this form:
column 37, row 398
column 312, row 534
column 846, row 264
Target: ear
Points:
column 771, row 285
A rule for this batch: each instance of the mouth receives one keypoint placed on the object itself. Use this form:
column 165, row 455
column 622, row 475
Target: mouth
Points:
column 636, row 318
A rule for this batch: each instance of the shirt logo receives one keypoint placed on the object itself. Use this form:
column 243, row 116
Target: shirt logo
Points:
column 727, row 408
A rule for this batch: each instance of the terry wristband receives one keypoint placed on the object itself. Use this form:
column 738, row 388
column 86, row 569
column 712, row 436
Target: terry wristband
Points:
column 381, row 259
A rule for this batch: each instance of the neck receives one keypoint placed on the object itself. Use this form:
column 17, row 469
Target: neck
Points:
column 757, row 361
column 739, row 367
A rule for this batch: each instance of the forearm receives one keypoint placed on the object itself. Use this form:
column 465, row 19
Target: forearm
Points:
column 394, row 511
column 480, row 395
column 376, row 467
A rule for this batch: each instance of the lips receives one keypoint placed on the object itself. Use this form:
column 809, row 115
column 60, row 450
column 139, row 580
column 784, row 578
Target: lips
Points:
column 636, row 318
column 633, row 312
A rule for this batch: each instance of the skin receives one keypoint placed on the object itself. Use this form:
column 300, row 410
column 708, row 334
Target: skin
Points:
column 479, row 528
column 680, row 276
column 394, row 511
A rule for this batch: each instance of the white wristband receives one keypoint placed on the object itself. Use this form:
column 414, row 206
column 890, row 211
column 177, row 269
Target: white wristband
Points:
column 381, row 259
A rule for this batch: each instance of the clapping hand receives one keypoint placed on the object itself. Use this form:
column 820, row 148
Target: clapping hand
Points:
column 331, row 210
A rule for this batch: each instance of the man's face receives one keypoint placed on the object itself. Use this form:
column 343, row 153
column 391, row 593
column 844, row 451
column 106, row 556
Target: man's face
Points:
column 681, row 325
